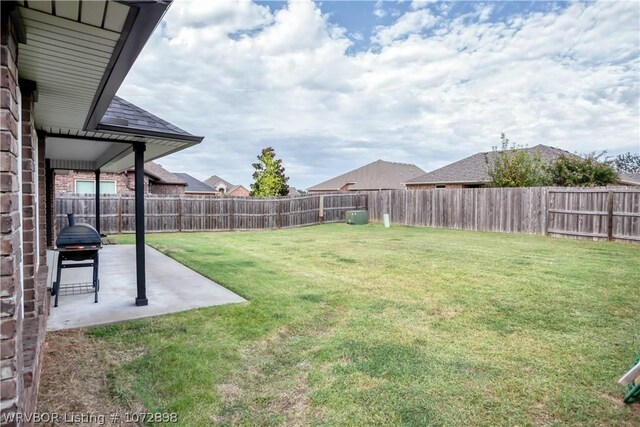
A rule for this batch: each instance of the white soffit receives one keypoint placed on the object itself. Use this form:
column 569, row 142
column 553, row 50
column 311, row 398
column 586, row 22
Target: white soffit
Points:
column 153, row 151
column 77, row 149
column 69, row 46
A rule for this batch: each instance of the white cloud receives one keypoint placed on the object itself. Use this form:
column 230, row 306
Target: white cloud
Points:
column 409, row 23
column 246, row 77
column 378, row 10
column 420, row 4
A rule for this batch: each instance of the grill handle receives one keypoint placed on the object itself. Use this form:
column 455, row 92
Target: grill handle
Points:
column 72, row 220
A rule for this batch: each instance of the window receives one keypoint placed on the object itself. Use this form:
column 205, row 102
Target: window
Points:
column 88, row 186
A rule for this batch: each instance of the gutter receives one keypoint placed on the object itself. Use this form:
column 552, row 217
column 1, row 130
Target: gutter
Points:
column 147, row 133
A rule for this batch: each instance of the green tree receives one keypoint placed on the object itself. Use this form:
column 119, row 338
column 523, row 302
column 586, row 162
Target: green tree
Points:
column 269, row 178
column 627, row 163
column 582, row 171
column 513, row 166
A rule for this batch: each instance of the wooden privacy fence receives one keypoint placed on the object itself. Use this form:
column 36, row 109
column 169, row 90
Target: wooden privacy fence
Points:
column 117, row 213
column 591, row 213
column 612, row 214
column 605, row 213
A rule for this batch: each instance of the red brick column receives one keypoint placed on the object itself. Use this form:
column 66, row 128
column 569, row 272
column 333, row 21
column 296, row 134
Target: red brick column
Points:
column 42, row 204
column 11, row 363
column 29, row 201
column 36, row 297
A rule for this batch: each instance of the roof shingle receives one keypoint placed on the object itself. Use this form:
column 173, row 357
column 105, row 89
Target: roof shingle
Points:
column 124, row 115
column 163, row 175
column 194, row 185
column 379, row 175
column 214, row 181
column 475, row 169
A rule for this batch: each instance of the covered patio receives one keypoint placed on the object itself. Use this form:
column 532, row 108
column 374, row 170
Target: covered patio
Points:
column 62, row 64
column 73, row 58
column 174, row 288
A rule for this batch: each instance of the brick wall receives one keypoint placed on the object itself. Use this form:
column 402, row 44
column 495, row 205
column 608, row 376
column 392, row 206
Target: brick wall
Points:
column 11, row 322
column 42, row 191
column 420, row 186
column 432, row 186
column 29, row 203
column 167, row 189
column 23, row 272
column 240, row 192
column 65, row 183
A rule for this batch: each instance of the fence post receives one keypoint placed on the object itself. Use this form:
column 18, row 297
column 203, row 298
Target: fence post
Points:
column 321, row 209
column 119, row 211
column 179, row 213
column 610, row 217
column 545, row 231
column 279, row 213
column 231, row 214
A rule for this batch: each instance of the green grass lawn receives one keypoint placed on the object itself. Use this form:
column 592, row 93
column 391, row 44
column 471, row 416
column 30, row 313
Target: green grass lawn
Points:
column 357, row 325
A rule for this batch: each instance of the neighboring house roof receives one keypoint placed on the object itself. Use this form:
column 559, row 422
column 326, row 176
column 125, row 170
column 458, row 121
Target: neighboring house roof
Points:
column 162, row 175
column 379, row 175
column 194, row 185
column 215, row 181
column 630, row 178
column 293, row 191
column 235, row 187
column 475, row 169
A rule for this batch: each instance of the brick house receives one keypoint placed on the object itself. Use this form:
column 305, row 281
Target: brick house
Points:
column 379, row 175
column 473, row 171
column 195, row 187
column 157, row 180
column 226, row 188
column 238, row 191
column 61, row 64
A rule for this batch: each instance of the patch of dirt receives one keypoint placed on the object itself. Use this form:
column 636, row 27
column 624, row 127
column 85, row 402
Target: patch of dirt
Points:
column 273, row 380
column 447, row 312
column 618, row 403
column 78, row 378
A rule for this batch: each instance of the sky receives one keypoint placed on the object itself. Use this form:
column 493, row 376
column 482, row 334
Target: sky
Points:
column 334, row 85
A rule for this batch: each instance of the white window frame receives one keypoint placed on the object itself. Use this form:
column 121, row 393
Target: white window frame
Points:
column 93, row 181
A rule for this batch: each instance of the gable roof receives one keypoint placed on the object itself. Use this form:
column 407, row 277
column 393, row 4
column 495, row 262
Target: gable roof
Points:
column 122, row 115
column 194, row 185
column 162, row 175
column 234, row 188
column 293, row 191
column 379, row 175
column 475, row 170
column 215, row 180
column 630, row 178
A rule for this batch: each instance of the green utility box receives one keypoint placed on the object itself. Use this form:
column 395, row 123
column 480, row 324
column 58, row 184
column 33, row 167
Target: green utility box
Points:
column 357, row 217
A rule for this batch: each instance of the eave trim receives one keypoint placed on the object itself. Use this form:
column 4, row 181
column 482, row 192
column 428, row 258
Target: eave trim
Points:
column 142, row 19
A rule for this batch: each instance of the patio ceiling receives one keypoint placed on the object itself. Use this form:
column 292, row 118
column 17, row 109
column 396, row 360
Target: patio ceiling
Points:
column 78, row 53
column 110, row 147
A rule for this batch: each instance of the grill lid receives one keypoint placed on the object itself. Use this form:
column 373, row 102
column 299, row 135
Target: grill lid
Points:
column 78, row 235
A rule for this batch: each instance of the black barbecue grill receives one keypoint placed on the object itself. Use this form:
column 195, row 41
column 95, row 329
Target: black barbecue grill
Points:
column 77, row 242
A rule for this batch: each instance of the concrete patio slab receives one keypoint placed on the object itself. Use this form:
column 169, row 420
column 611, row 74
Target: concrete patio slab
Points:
column 171, row 287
